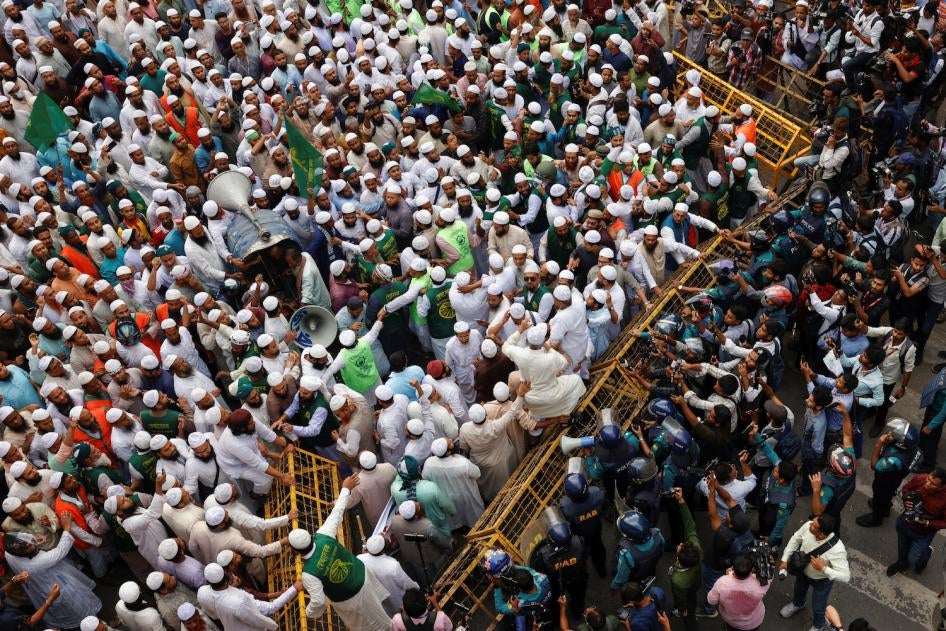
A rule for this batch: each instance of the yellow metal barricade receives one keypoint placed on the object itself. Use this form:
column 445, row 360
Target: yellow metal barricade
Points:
column 316, row 487
column 777, row 137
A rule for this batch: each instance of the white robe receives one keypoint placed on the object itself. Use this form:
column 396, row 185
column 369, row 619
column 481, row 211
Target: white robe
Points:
column 552, row 393
column 390, row 574
column 491, row 450
column 457, row 477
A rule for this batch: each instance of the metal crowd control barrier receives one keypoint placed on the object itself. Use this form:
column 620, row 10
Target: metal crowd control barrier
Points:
column 317, row 485
column 777, row 138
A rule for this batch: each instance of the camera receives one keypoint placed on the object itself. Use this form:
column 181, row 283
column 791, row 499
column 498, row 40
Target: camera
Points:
column 688, row 8
column 763, row 559
column 915, row 511
column 849, row 287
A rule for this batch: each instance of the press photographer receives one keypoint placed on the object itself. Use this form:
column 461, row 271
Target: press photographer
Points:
column 738, row 595
column 924, row 514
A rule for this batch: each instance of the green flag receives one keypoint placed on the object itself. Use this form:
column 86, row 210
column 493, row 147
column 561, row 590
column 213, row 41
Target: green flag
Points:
column 432, row 96
column 307, row 161
column 47, row 120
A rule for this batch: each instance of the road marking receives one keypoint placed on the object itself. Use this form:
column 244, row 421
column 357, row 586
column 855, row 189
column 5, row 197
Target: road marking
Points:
column 900, row 593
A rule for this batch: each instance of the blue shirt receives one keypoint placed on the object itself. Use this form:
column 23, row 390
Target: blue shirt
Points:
column 109, row 266
column 202, row 154
column 17, row 391
column 400, row 382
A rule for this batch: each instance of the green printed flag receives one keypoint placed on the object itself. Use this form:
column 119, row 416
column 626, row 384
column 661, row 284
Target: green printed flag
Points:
column 307, row 161
column 47, row 120
column 429, row 95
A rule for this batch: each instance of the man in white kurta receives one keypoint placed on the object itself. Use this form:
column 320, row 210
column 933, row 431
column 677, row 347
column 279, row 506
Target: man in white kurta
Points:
column 490, row 448
column 457, row 477
column 357, row 592
column 461, row 351
column 374, row 486
column 552, row 394
column 392, row 421
column 389, row 573
column 568, row 329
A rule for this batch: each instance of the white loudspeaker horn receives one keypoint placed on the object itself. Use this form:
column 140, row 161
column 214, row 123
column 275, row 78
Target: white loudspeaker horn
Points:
column 313, row 325
column 569, row 444
column 606, row 417
column 231, row 190
column 576, row 464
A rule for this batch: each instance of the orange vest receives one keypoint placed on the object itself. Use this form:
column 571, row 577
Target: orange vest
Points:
column 616, row 181
column 616, row 228
column 747, row 129
column 103, row 444
column 61, row 506
column 80, row 261
column 191, row 124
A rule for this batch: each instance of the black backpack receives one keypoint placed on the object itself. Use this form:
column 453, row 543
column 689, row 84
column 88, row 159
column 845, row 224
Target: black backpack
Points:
column 788, row 444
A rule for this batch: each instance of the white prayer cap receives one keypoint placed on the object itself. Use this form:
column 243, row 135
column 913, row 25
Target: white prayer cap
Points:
column 477, row 413
column 168, row 549
column 89, row 623
column 196, row 439
column 517, row 311
column 191, row 222
column 494, row 290
column 711, row 112
column 114, row 414
column 408, row 509
column 383, row 393
column 149, row 362
column 75, row 412
column 488, row 348
column 11, row 504
column 501, row 218
column 347, row 338
column 129, row 592
column 592, row 236
column 713, row 178
column 157, row 442
column 225, row 557
column 536, row 334
column 439, row 447
column 214, row 516
column 367, row 460
column 337, row 267
column 415, row 427
column 55, row 480
column 17, row 469
column 187, row 610
column 609, row 272
column 300, row 540
column 375, row 545
column 213, row 572
column 155, row 580
column 749, row 149
column 142, row 440
column 739, row 164
column 337, row 402
column 84, row 378
column 563, row 293
column 150, row 398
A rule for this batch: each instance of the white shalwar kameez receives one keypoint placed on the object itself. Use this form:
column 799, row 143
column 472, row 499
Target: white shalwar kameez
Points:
column 457, row 477
column 459, row 357
column 551, row 394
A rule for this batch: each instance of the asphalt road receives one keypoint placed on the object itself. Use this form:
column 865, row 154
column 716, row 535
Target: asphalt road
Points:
column 904, row 602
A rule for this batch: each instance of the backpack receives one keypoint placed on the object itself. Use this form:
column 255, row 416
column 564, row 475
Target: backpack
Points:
column 894, row 251
column 775, row 370
column 788, row 444
column 889, row 33
column 853, row 163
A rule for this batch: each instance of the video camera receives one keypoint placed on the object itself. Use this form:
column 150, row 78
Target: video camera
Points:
column 763, row 558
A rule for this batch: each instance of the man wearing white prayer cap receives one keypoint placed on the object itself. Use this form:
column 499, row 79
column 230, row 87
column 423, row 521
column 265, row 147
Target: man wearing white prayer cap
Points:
column 374, row 484
column 356, row 594
column 410, row 519
column 388, row 571
column 132, row 610
column 236, row 608
column 461, row 351
column 457, row 476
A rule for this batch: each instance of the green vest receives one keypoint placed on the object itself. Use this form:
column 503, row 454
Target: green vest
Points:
column 424, row 281
column 144, row 463
column 89, row 477
column 693, row 152
column 646, row 169
column 458, row 236
column 720, row 199
column 324, row 437
column 559, row 249
column 365, row 268
column 360, row 374
column 387, row 244
column 741, row 199
column 165, row 424
column 119, row 535
column 441, row 317
column 533, row 303
column 341, row 572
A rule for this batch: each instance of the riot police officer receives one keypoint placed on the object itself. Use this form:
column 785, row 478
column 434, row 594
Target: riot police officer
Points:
column 679, row 455
column 614, row 452
column 835, row 485
column 639, row 549
column 893, row 454
column 562, row 558
column 643, row 491
column 582, row 506
column 811, row 226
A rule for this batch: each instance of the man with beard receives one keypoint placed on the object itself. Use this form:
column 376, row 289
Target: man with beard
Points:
column 178, row 342
column 309, row 420
column 55, row 86
column 31, row 484
column 13, row 121
column 183, row 120
column 125, row 388
column 111, row 28
column 183, row 163
column 186, row 379
column 206, row 264
column 278, row 164
column 239, row 455
column 15, row 387
column 379, row 127
column 31, row 518
column 398, row 215
column 202, row 473
column 80, row 69
column 124, row 428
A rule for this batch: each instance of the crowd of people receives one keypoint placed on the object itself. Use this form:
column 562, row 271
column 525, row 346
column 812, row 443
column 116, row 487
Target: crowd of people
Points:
column 500, row 190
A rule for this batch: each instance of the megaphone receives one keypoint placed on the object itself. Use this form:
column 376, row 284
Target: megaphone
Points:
column 576, row 464
column 569, row 444
column 231, row 190
column 606, row 417
column 313, row 325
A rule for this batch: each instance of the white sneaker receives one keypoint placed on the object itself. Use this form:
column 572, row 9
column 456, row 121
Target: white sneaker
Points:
column 790, row 610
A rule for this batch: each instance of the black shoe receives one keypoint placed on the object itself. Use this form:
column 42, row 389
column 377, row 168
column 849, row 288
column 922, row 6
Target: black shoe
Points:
column 875, row 431
column 867, row 520
column 895, row 568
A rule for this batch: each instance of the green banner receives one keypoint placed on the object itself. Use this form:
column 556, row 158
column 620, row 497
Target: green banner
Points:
column 429, row 95
column 307, row 161
column 47, row 120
